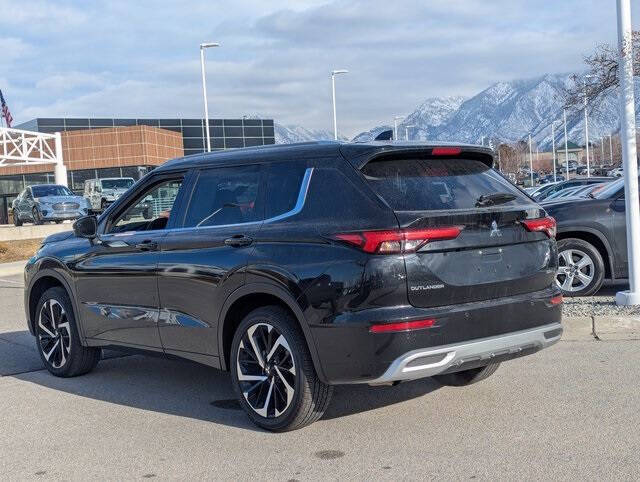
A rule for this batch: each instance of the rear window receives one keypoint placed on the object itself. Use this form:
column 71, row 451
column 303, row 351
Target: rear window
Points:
column 435, row 184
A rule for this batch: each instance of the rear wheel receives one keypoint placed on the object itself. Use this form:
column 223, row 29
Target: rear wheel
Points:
column 273, row 374
column 57, row 336
column 16, row 219
column 580, row 268
column 467, row 377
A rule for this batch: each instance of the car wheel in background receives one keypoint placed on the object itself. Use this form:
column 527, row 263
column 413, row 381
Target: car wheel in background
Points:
column 37, row 219
column 57, row 338
column 580, row 268
column 467, row 377
column 103, row 205
column 16, row 219
column 58, row 221
column 273, row 374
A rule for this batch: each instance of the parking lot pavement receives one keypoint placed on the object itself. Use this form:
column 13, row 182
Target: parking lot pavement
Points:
column 568, row 412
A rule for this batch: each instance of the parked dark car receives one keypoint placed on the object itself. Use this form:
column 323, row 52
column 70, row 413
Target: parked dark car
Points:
column 592, row 239
column 304, row 266
column 47, row 202
column 547, row 191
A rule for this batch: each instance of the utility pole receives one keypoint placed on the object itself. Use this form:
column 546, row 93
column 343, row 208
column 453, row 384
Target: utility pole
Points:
column 586, row 120
column 553, row 148
column 610, row 151
column 530, row 160
column 629, row 153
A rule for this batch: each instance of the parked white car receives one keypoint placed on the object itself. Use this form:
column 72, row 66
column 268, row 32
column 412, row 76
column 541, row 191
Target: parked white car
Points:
column 102, row 192
column 617, row 172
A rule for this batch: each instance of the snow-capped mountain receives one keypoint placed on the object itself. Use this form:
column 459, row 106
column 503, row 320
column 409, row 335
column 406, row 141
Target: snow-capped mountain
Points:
column 509, row 111
column 292, row 133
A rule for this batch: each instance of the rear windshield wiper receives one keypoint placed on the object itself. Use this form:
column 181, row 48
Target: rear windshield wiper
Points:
column 493, row 199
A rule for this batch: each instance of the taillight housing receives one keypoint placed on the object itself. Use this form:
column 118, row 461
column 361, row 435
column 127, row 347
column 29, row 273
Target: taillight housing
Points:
column 398, row 241
column 446, row 151
column 546, row 225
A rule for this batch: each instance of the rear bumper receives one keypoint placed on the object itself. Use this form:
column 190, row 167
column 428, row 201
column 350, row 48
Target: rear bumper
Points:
column 451, row 358
column 349, row 353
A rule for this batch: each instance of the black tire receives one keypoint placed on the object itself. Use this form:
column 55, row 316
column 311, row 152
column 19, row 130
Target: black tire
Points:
column 37, row 219
column 79, row 359
column 467, row 377
column 103, row 205
column 575, row 249
column 58, row 221
column 16, row 219
column 310, row 396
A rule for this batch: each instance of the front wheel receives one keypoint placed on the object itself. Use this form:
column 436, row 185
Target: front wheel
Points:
column 57, row 336
column 37, row 219
column 467, row 377
column 273, row 374
column 580, row 268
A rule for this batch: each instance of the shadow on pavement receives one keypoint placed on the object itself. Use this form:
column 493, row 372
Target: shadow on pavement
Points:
column 187, row 389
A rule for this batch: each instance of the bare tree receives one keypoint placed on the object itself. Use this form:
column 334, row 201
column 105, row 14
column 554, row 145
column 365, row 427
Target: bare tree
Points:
column 602, row 65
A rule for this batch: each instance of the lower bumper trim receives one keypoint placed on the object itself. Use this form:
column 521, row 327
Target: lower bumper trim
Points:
column 450, row 358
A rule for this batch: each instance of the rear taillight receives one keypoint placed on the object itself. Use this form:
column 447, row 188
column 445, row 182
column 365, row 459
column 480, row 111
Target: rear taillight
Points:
column 398, row 241
column 546, row 225
column 401, row 326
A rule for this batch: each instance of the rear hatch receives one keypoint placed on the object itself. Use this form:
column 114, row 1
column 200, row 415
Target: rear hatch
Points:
column 481, row 237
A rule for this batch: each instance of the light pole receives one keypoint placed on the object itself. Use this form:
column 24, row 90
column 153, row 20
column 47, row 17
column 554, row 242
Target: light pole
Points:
column 629, row 159
column 566, row 142
column 203, row 46
column 333, row 92
column 553, row 148
column 586, row 121
column 602, row 151
column 482, row 140
column 406, row 131
column 530, row 160
column 610, row 151
column 395, row 126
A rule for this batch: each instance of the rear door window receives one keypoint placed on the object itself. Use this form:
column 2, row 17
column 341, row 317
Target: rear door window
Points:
column 436, row 184
column 226, row 195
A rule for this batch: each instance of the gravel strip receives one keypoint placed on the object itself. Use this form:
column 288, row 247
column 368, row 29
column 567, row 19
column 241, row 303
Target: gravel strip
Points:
column 600, row 305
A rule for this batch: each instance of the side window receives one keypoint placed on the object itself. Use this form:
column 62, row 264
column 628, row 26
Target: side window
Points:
column 284, row 180
column 149, row 211
column 226, row 195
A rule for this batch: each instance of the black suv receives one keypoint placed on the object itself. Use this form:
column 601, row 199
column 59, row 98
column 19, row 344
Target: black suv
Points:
column 303, row 266
column 592, row 239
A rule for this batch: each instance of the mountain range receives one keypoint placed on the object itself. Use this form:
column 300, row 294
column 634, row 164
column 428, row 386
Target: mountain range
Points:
column 505, row 112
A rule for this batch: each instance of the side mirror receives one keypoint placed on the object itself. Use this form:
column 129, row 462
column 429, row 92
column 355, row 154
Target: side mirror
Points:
column 86, row 227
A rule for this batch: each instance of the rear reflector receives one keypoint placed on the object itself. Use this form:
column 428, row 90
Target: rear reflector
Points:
column 398, row 241
column 446, row 151
column 546, row 225
column 402, row 326
column 556, row 300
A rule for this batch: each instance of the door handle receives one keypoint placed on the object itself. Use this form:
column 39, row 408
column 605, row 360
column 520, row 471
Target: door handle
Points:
column 147, row 245
column 238, row 241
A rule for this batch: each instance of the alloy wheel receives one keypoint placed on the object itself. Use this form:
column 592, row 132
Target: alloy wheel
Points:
column 266, row 370
column 575, row 271
column 54, row 333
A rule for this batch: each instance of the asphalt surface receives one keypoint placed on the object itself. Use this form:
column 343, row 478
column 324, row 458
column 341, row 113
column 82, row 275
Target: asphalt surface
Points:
column 569, row 412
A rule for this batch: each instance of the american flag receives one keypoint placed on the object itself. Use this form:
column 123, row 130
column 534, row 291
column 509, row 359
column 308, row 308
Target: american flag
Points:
column 5, row 110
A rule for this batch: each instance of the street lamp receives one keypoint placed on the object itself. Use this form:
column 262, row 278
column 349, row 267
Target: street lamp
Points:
column 586, row 121
column 566, row 142
column 629, row 153
column 530, row 160
column 395, row 127
column 553, row 143
column 333, row 91
column 203, row 46
column 610, row 151
column 406, row 130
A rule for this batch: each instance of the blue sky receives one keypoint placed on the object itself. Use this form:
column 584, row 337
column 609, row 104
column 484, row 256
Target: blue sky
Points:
column 141, row 58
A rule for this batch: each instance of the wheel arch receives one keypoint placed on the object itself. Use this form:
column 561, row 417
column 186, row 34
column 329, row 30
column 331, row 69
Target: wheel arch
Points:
column 597, row 239
column 246, row 299
column 41, row 282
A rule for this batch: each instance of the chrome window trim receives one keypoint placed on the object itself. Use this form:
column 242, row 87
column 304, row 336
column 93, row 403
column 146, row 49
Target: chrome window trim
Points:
column 300, row 202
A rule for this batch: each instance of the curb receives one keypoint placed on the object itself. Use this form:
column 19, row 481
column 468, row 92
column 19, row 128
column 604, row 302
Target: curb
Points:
column 12, row 269
column 604, row 328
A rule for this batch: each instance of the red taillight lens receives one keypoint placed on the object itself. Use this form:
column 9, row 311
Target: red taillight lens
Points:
column 402, row 326
column 400, row 241
column 546, row 225
column 446, row 151
column 556, row 300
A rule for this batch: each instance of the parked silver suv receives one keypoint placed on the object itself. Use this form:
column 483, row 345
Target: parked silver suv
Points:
column 102, row 192
column 47, row 202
